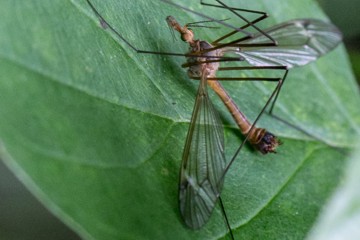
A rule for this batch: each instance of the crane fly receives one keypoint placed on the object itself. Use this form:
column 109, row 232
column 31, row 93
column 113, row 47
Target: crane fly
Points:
column 286, row 45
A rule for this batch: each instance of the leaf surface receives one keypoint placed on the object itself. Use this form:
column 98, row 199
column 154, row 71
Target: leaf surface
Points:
column 96, row 131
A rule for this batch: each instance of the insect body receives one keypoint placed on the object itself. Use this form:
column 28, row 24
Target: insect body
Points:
column 203, row 163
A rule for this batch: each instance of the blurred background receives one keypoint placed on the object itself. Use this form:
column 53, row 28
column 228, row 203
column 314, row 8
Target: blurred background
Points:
column 345, row 14
column 37, row 223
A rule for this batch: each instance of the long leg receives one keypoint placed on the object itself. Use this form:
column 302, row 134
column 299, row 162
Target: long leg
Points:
column 291, row 124
column 237, row 42
column 105, row 24
column 247, row 21
column 226, row 218
column 206, row 17
column 255, row 121
column 237, row 9
column 263, row 15
column 261, row 79
column 258, row 79
column 275, row 99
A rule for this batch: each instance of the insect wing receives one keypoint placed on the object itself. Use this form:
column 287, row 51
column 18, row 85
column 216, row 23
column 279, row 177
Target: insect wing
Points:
column 203, row 163
column 299, row 42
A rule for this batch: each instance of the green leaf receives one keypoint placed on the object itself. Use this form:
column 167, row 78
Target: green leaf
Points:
column 341, row 216
column 96, row 131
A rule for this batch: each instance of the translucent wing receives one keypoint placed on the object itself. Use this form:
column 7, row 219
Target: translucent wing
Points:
column 203, row 163
column 299, row 42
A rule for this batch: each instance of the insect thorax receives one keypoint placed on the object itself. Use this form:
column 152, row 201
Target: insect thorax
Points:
column 195, row 71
